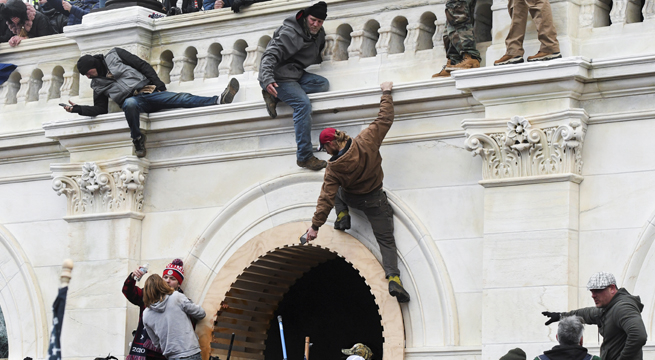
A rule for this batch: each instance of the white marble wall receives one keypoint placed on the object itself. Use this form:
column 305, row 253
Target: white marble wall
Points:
column 481, row 253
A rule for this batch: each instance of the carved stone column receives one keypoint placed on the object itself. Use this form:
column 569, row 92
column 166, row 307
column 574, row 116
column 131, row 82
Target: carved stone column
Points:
column 391, row 40
column 178, row 66
column 44, row 91
column 418, row 37
column 232, row 63
column 336, row 48
column 201, row 66
column 21, row 96
column 439, row 33
column 531, row 174
column 362, row 44
column 71, row 84
column 649, row 10
column 253, row 58
column 103, row 190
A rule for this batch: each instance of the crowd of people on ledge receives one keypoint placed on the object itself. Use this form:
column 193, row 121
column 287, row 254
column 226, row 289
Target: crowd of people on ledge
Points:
column 20, row 20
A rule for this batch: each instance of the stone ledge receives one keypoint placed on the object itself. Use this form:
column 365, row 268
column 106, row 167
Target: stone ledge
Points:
column 528, row 180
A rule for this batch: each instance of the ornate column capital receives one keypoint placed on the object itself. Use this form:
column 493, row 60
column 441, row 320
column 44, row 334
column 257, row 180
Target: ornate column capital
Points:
column 524, row 152
column 102, row 190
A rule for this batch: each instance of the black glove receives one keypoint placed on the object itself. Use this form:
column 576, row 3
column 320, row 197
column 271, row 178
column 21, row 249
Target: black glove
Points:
column 554, row 316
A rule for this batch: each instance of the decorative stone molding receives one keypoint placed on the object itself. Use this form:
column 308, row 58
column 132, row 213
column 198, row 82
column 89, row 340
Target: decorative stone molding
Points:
column 362, row 44
column 418, row 37
column 437, row 38
column 527, row 151
column 253, row 58
column 111, row 189
column 201, row 66
column 586, row 17
column 232, row 63
column 649, row 10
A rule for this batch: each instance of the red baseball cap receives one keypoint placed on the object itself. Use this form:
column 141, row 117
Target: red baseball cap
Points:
column 326, row 136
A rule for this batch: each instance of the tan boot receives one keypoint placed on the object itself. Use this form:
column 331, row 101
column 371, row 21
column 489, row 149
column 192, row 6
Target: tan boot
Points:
column 443, row 72
column 542, row 56
column 508, row 60
column 467, row 63
column 312, row 164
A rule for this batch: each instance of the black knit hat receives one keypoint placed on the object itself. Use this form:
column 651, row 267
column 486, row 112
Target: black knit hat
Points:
column 514, row 354
column 318, row 10
column 86, row 63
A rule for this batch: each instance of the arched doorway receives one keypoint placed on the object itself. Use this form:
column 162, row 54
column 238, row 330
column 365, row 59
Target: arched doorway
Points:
column 259, row 278
column 318, row 294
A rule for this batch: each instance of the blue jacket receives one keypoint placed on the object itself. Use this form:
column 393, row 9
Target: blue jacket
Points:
column 79, row 9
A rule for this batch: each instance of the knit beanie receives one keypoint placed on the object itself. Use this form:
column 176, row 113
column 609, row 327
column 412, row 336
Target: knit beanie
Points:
column 318, row 10
column 86, row 63
column 514, row 354
column 176, row 269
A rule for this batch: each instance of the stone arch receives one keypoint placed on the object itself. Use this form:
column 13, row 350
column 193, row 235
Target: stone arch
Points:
column 430, row 319
column 343, row 41
column 21, row 301
column 273, row 244
column 214, row 59
column 424, row 41
column 370, row 38
column 165, row 66
column 398, row 34
column 57, row 81
column 35, row 83
column 638, row 277
column 190, row 62
column 13, row 86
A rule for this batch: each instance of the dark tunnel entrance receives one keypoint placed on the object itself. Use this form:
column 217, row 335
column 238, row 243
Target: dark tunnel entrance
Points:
column 334, row 307
column 318, row 294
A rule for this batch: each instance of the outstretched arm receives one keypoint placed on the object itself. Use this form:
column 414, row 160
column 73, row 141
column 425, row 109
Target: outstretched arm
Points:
column 378, row 129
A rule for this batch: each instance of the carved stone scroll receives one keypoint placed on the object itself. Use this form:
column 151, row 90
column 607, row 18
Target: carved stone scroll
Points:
column 523, row 150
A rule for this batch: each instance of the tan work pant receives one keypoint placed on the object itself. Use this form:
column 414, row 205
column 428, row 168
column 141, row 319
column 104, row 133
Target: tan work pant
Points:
column 543, row 19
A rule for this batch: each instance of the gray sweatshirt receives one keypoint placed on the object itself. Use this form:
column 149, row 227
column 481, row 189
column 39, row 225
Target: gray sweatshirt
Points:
column 289, row 52
column 168, row 325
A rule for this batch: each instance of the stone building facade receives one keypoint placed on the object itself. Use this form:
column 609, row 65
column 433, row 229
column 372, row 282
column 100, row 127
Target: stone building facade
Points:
column 510, row 185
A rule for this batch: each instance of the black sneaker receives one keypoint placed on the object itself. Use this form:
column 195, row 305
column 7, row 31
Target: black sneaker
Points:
column 343, row 224
column 228, row 94
column 397, row 290
column 140, row 146
column 271, row 104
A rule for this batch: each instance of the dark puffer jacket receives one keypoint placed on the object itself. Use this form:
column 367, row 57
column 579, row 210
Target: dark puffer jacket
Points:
column 57, row 20
column 16, row 8
column 620, row 324
column 290, row 51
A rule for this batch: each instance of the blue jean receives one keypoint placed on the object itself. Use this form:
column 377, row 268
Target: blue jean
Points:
column 150, row 103
column 294, row 94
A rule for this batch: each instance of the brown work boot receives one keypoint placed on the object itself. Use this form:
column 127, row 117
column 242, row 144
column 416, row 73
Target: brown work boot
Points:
column 312, row 164
column 467, row 63
column 443, row 72
column 271, row 104
column 509, row 60
column 542, row 56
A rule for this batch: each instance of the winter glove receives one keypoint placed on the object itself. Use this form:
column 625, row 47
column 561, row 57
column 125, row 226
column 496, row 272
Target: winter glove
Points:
column 554, row 317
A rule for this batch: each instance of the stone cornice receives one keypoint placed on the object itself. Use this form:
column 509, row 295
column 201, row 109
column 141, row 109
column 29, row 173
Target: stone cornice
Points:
column 416, row 100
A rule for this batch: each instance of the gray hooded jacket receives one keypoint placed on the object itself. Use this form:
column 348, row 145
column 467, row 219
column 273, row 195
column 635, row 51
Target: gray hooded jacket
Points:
column 620, row 325
column 289, row 52
column 168, row 325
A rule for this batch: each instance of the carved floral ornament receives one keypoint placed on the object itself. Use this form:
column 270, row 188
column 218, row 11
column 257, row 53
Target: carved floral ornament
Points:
column 97, row 192
column 523, row 150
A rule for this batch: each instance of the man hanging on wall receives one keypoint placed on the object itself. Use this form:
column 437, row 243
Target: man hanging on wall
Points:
column 296, row 45
column 459, row 40
column 618, row 316
column 353, row 177
column 134, row 85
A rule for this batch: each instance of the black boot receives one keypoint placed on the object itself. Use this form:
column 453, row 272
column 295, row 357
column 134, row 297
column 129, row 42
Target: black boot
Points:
column 140, row 146
column 343, row 221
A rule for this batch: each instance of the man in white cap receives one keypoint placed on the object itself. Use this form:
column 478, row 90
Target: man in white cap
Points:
column 618, row 316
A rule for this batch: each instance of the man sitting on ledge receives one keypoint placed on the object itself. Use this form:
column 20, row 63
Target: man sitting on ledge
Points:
column 134, row 85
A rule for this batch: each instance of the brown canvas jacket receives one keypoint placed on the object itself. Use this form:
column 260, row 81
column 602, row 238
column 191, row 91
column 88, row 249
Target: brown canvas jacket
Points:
column 359, row 170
